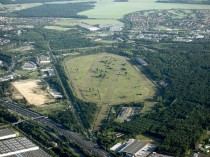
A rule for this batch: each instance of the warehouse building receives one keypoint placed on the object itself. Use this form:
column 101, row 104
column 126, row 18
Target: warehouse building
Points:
column 7, row 133
column 13, row 146
column 16, row 146
column 29, row 66
column 134, row 148
column 43, row 59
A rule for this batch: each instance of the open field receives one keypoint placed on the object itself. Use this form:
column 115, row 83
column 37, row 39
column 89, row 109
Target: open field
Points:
column 31, row 90
column 22, row 49
column 116, row 10
column 58, row 28
column 50, row 108
column 15, row 7
column 73, row 22
column 108, row 79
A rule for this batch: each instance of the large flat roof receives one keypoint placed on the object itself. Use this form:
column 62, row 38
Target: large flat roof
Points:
column 134, row 147
column 34, row 153
column 5, row 132
column 16, row 145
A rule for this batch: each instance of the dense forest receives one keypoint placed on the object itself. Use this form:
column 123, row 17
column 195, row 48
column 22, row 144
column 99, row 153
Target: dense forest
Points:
column 182, row 118
column 27, row 1
column 85, row 110
column 68, row 10
column 42, row 38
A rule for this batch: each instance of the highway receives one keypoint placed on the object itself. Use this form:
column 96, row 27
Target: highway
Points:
column 78, row 139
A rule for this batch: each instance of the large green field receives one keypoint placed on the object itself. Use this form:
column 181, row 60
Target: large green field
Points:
column 107, row 9
column 107, row 79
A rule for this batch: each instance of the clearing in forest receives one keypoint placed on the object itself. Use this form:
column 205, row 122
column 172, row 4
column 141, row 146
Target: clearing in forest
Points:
column 107, row 79
column 32, row 91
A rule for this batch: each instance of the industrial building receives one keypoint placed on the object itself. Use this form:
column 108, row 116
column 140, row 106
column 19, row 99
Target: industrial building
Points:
column 29, row 66
column 7, row 133
column 55, row 93
column 16, row 146
column 43, row 59
column 48, row 72
column 134, row 148
column 13, row 146
column 89, row 27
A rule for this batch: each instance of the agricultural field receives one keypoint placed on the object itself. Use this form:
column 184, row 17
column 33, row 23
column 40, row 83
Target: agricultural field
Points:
column 33, row 92
column 108, row 79
column 107, row 9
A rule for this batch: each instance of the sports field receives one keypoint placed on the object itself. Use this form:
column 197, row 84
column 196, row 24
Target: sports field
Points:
column 107, row 79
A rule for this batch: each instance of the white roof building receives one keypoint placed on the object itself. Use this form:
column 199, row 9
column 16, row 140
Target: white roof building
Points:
column 134, row 148
column 43, row 59
column 29, row 66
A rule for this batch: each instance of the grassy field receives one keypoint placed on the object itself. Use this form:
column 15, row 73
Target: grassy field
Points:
column 107, row 79
column 50, row 108
column 14, row 7
column 57, row 28
column 107, row 9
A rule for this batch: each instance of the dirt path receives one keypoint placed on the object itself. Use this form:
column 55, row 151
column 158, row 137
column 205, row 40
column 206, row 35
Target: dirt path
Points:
column 101, row 115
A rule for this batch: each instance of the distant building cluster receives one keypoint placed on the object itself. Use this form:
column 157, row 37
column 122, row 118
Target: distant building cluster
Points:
column 4, row 41
column 13, row 145
column 163, row 25
column 89, row 27
column 111, row 27
column 8, row 77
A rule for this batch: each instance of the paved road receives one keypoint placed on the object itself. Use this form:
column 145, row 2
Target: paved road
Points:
column 89, row 146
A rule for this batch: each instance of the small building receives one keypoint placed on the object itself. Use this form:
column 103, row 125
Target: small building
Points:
column 48, row 72
column 125, row 113
column 1, row 62
column 159, row 155
column 141, row 61
column 43, row 59
column 31, row 66
column 116, row 28
column 55, row 93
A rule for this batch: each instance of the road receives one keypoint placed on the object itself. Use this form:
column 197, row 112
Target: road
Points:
column 78, row 139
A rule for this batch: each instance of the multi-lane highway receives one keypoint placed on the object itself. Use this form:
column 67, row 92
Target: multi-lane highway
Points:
column 88, row 145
